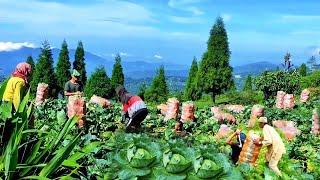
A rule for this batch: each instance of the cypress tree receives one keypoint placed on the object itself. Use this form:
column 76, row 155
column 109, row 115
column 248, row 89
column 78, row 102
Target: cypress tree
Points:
column 303, row 70
column 79, row 62
column 63, row 67
column 44, row 70
column 99, row 84
column 248, row 84
column 117, row 73
column 33, row 67
column 190, row 89
column 215, row 73
column 158, row 91
column 142, row 90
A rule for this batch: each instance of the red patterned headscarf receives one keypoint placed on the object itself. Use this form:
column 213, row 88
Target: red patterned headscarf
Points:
column 22, row 70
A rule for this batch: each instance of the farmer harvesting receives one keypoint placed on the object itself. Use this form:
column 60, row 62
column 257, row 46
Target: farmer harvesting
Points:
column 74, row 86
column 274, row 143
column 17, row 84
column 134, row 109
column 236, row 146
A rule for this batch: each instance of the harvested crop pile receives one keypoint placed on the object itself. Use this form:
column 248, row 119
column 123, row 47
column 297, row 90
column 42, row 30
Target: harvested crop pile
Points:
column 257, row 111
column 223, row 132
column 100, row 101
column 172, row 109
column 234, row 108
column 280, row 99
column 315, row 123
column 305, row 94
column 187, row 111
column 222, row 116
column 250, row 151
column 288, row 102
column 42, row 93
column 287, row 127
column 76, row 107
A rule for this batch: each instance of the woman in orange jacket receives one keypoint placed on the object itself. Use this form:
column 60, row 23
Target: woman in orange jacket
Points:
column 17, row 84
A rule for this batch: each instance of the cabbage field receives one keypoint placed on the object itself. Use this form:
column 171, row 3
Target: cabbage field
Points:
column 53, row 147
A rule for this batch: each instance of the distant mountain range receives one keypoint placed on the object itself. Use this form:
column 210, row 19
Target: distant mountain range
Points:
column 8, row 60
column 136, row 72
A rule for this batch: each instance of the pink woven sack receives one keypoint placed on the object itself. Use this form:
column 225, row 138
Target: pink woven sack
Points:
column 77, row 107
column 100, row 101
column 315, row 122
column 304, row 97
column 288, row 128
column 42, row 93
column 187, row 112
column 172, row 109
column 289, row 101
column 280, row 99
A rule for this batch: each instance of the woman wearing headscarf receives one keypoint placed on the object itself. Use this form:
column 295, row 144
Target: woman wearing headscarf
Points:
column 134, row 109
column 17, row 84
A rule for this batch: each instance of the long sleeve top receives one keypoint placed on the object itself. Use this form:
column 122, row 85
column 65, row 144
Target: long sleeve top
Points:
column 272, row 139
column 12, row 93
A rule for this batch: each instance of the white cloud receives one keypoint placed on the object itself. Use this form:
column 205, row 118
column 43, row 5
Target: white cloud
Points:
column 106, row 18
column 226, row 17
column 298, row 18
column 158, row 56
column 237, row 76
column 185, row 20
column 11, row 46
column 124, row 54
column 186, row 5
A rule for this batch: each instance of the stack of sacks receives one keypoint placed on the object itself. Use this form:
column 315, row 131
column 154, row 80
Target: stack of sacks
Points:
column 187, row 112
column 257, row 111
column 250, row 151
column 172, row 109
column 42, row 93
column 280, row 99
column 315, row 123
column 223, row 132
column 304, row 97
column 234, row 108
column 76, row 107
column 100, row 101
column 288, row 101
column 222, row 116
column 163, row 109
column 287, row 127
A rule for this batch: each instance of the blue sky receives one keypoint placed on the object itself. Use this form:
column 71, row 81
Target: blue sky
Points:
column 165, row 30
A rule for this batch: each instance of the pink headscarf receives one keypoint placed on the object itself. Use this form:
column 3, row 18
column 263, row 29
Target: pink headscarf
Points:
column 22, row 70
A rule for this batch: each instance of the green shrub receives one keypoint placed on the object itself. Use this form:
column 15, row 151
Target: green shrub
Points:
column 244, row 97
column 271, row 82
column 312, row 80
